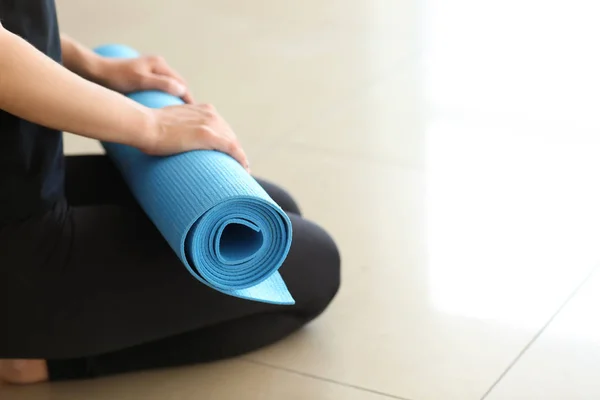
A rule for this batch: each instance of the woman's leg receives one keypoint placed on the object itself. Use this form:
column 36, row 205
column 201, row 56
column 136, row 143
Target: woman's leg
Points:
column 107, row 281
column 124, row 294
column 90, row 179
column 122, row 286
column 229, row 326
column 94, row 180
column 280, row 196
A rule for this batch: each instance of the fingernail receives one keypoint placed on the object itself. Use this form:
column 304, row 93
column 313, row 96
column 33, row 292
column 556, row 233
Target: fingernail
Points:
column 181, row 89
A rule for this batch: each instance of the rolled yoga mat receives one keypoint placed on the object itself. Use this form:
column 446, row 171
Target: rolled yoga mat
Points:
column 224, row 227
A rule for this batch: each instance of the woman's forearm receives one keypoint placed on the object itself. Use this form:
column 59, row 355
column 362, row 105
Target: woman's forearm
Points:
column 37, row 89
column 79, row 59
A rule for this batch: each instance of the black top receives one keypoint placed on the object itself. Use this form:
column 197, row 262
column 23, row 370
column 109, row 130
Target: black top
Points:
column 31, row 156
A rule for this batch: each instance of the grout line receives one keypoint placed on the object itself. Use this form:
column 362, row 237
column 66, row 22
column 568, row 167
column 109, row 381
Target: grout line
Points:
column 552, row 318
column 320, row 378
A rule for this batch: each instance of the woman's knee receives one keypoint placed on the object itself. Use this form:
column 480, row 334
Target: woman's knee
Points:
column 280, row 196
column 312, row 270
column 330, row 262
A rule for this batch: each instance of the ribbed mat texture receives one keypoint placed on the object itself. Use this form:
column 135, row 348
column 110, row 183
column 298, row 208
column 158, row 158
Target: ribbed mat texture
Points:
column 224, row 227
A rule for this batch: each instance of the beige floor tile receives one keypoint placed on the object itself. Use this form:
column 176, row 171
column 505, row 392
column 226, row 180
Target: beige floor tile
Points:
column 220, row 381
column 266, row 66
column 564, row 362
column 448, row 272
column 386, row 123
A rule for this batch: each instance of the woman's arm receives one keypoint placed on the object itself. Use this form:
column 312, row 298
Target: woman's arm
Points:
column 37, row 89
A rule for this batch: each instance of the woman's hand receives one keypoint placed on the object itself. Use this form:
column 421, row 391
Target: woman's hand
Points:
column 123, row 75
column 177, row 129
column 126, row 75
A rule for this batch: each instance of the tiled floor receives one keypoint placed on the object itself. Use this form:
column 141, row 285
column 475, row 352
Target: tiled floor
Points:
column 451, row 148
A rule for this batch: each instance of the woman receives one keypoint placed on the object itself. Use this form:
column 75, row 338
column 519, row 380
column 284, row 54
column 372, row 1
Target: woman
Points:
column 88, row 287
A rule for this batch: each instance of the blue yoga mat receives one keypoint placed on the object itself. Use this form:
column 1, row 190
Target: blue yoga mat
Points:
column 224, row 227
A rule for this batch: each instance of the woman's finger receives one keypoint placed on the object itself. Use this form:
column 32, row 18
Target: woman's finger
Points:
column 161, row 67
column 188, row 98
column 164, row 83
column 229, row 146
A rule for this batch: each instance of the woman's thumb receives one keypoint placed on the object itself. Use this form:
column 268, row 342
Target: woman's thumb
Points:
column 165, row 84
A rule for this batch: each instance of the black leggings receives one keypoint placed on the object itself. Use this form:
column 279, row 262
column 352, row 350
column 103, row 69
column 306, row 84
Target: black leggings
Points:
column 93, row 287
